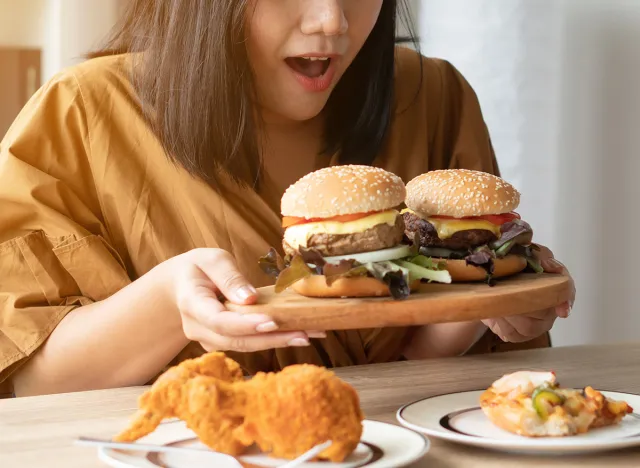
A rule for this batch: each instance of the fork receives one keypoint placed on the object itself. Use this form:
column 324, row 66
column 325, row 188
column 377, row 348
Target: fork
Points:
column 89, row 442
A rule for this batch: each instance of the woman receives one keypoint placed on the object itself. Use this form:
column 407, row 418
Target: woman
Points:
column 139, row 186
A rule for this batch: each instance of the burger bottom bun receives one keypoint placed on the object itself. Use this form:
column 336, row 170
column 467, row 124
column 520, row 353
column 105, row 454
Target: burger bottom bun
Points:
column 461, row 272
column 316, row 286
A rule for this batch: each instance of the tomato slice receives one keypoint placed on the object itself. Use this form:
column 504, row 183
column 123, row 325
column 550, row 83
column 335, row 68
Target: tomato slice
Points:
column 289, row 221
column 498, row 220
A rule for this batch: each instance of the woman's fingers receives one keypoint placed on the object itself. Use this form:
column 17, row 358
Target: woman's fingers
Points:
column 551, row 265
column 206, row 320
column 504, row 331
column 220, row 267
column 522, row 328
column 212, row 315
column 198, row 301
column 248, row 344
column 212, row 341
column 547, row 260
column 563, row 310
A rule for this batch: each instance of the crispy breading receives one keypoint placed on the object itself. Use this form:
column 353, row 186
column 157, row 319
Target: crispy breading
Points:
column 285, row 413
column 291, row 412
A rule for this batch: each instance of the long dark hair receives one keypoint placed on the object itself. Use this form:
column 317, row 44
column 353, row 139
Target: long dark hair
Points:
column 196, row 86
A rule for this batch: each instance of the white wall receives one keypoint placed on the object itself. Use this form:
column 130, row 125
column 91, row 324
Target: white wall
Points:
column 73, row 28
column 559, row 82
column 65, row 30
column 22, row 23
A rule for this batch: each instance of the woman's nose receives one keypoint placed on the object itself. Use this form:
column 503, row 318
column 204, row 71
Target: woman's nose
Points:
column 324, row 17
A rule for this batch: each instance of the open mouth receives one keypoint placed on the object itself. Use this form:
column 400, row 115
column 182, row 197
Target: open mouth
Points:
column 311, row 67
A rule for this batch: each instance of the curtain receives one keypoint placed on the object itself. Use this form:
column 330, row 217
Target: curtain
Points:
column 559, row 84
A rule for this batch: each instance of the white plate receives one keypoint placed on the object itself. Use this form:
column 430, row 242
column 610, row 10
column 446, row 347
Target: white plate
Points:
column 382, row 446
column 457, row 417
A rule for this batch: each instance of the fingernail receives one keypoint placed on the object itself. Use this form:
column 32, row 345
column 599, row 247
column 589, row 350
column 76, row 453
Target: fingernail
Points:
column 563, row 311
column 267, row 327
column 318, row 335
column 299, row 342
column 246, row 292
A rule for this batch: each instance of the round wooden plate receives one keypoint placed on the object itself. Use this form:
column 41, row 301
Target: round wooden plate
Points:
column 431, row 303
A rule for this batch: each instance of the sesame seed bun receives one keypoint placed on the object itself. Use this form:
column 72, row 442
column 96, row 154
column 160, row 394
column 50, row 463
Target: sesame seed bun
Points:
column 316, row 286
column 460, row 193
column 461, row 272
column 343, row 190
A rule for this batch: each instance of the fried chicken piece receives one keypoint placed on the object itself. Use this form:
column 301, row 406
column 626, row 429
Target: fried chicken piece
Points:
column 199, row 392
column 291, row 412
column 285, row 414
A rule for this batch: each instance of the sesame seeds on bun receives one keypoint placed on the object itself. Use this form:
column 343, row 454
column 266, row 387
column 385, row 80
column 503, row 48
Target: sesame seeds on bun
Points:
column 460, row 193
column 343, row 190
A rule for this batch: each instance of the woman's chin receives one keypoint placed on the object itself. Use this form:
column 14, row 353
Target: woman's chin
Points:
column 296, row 109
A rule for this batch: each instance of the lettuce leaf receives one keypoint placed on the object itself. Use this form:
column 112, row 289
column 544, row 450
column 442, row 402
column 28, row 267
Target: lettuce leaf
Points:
column 296, row 271
column 535, row 265
column 272, row 263
column 394, row 276
column 397, row 284
column 291, row 270
column 441, row 252
column 397, row 275
column 312, row 257
column 344, row 269
column 516, row 232
column 527, row 251
column 483, row 257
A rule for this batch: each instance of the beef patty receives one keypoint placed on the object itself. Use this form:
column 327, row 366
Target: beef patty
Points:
column 428, row 235
column 378, row 237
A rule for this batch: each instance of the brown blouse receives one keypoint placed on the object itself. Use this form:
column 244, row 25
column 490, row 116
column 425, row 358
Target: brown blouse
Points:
column 89, row 203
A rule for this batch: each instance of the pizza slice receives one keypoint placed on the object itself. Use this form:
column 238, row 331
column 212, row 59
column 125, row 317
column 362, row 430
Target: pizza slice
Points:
column 533, row 404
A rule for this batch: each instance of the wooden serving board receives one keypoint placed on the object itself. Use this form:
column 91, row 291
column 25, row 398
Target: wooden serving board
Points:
column 431, row 303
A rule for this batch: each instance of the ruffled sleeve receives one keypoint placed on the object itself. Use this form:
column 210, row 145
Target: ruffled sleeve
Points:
column 55, row 250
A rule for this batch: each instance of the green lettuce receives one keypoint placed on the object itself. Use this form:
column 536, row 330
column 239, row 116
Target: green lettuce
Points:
column 398, row 275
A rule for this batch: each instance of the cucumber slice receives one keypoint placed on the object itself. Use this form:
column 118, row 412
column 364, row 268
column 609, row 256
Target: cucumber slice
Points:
column 416, row 272
column 376, row 256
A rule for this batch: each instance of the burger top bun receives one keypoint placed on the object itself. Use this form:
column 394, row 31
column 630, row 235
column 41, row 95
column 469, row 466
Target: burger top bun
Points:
column 342, row 190
column 460, row 193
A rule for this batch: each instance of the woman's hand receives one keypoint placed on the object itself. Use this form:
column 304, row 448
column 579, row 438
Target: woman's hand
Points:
column 522, row 328
column 203, row 276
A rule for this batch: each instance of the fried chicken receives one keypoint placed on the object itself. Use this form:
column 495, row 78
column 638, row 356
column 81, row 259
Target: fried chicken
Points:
column 285, row 413
column 291, row 412
column 199, row 392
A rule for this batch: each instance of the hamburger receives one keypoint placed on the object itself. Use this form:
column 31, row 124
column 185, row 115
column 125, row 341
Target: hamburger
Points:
column 343, row 237
column 466, row 221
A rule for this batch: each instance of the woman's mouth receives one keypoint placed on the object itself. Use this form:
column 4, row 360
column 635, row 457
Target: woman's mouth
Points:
column 315, row 74
column 311, row 67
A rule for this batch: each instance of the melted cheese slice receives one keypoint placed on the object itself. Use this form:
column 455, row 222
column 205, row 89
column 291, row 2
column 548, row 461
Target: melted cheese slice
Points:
column 446, row 228
column 298, row 235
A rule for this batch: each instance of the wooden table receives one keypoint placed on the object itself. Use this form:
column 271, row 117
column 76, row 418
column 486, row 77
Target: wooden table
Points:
column 38, row 432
